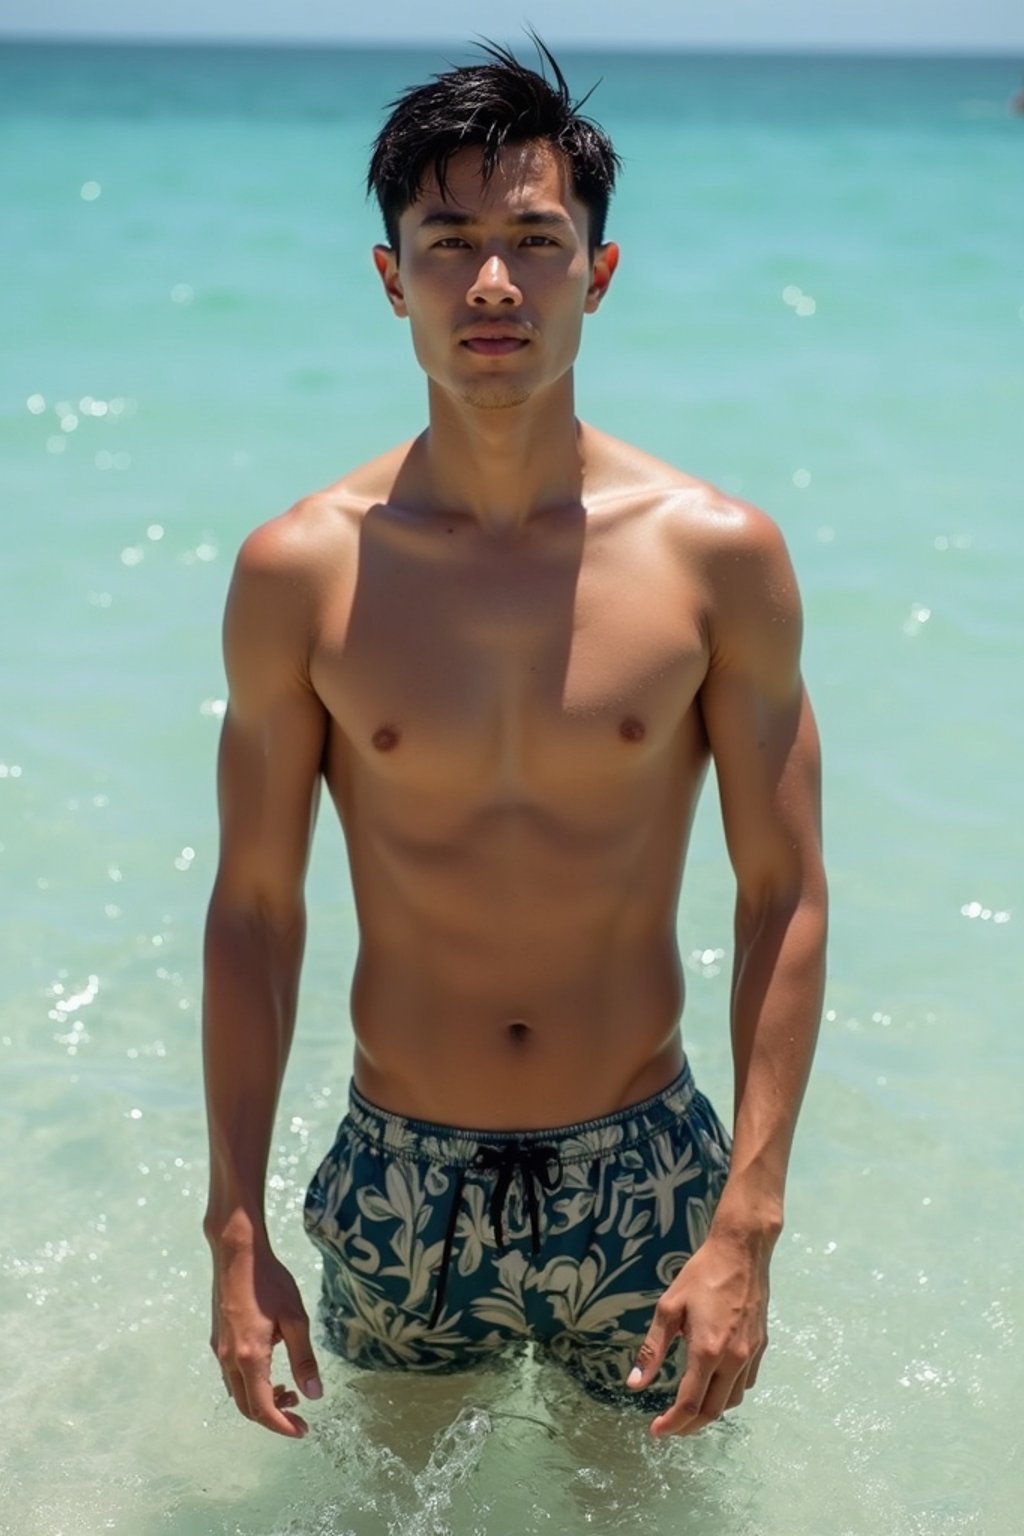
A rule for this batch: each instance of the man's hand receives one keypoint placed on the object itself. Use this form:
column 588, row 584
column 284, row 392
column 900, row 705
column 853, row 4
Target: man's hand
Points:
column 256, row 1304
column 719, row 1303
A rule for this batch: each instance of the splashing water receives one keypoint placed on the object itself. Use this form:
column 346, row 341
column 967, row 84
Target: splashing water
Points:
column 457, row 1452
column 380, row 1483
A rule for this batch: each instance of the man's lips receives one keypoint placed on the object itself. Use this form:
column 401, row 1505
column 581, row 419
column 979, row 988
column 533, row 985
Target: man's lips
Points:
column 495, row 340
column 495, row 346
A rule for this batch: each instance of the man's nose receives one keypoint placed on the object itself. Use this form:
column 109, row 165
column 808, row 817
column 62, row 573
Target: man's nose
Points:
column 493, row 285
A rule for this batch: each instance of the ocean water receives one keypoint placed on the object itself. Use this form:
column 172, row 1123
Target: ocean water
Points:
column 821, row 307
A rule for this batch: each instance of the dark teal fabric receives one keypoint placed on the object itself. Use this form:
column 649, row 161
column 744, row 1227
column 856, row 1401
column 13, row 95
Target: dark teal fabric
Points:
column 444, row 1246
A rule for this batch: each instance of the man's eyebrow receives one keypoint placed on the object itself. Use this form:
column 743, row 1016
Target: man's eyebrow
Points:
column 534, row 219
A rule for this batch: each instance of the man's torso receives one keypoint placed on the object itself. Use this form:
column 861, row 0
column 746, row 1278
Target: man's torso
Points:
column 515, row 748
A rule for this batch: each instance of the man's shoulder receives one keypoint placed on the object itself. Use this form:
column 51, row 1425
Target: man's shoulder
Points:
column 730, row 535
column 710, row 524
column 320, row 527
column 742, row 567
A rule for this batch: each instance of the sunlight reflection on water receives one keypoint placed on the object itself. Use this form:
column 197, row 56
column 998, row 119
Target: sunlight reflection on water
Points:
column 884, row 437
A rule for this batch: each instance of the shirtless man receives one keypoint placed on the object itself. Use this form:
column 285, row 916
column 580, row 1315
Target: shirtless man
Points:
column 510, row 648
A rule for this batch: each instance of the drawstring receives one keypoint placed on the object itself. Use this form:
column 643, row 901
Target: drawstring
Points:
column 446, row 1256
column 533, row 1163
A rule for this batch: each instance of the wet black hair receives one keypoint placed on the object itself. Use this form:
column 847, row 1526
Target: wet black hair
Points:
column 488, row 106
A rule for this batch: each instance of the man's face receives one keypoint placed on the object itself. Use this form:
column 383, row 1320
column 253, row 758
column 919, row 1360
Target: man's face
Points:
column 495, row 277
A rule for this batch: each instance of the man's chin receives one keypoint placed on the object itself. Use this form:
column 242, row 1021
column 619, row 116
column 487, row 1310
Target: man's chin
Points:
column 494, row 397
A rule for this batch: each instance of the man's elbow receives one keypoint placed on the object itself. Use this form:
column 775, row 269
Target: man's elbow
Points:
column 256, row 911
column 780, row 898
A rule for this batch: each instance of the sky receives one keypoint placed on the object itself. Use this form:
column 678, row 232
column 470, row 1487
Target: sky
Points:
column 993, row 26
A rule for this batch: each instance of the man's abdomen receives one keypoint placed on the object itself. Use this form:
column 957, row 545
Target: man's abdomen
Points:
column 516, row 1034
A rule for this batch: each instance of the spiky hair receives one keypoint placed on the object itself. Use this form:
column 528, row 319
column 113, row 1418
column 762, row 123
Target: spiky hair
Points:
column 488, row 106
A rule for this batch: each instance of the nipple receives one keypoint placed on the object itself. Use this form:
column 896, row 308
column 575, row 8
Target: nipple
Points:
column 385, row 738
column 632, row 729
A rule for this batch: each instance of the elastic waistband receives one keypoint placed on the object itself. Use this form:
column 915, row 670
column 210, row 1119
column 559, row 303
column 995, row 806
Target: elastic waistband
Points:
column 456, row 1146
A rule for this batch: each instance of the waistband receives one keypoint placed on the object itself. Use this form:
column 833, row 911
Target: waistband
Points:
column 583, row 1141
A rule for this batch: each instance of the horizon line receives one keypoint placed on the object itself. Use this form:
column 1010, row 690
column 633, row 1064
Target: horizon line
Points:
column 605, row 45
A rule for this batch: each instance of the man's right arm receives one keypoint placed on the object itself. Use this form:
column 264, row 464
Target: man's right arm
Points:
column 268, row 782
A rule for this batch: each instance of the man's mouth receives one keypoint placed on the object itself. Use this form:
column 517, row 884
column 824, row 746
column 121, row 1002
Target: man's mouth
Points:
column 495, row 340
column 495, row 346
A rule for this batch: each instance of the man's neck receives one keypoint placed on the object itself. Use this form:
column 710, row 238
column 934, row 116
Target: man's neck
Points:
column 504, row 466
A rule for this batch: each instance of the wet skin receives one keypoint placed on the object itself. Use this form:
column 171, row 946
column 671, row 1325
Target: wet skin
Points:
column 510, row 649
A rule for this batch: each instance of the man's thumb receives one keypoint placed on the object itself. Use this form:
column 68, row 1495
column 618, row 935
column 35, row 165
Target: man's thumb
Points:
column 652, row 1352
column 301, row 1358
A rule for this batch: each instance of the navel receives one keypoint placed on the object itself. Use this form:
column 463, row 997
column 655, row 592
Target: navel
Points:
column 385, row 738
column 632, row 729
column 518, row 1031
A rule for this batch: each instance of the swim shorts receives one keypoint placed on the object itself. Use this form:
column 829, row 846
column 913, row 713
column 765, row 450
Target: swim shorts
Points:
column 443, row 1246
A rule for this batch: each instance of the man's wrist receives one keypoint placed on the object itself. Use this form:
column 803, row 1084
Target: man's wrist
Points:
column 754, row 1223
column 235, row 1229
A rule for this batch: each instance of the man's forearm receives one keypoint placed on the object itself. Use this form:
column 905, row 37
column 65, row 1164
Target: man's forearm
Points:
column 251, row 971
column 778, row 985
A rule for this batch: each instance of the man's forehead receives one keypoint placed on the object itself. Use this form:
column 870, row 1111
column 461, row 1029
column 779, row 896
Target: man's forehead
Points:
column 526, row 178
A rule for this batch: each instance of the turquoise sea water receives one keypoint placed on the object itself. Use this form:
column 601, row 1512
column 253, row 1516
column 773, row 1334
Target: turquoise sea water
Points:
column 821, row 307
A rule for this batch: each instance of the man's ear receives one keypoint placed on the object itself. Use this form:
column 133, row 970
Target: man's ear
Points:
column 606, row 259
column 386, row 262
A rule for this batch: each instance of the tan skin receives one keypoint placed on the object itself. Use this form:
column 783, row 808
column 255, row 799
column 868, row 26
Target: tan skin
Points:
column 510, row 650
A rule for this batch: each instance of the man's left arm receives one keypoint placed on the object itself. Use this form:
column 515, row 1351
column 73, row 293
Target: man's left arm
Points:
column 765, row 748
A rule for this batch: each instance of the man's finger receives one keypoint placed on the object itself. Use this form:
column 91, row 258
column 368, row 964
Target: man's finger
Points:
column 663, row 1331
column 295, row 1334
column 756, row 1364
column 236, row 1389
column 254, row 1370
column 263, row 1410
column 688, row 1407
column 721, row 1391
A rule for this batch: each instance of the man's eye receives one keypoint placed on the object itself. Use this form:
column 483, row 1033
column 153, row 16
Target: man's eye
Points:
column 539, row 240
column 450, row 243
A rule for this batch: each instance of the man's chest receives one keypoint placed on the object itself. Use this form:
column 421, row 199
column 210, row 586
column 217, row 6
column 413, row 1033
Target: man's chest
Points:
column 523, row 675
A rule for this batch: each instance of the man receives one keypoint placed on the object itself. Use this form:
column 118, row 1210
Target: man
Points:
column 510, row 648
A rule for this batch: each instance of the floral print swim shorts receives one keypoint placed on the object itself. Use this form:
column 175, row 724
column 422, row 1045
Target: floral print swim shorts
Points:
column 443, row 1246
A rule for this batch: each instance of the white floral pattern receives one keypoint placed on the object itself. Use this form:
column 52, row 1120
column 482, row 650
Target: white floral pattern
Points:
column 634, row 1199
